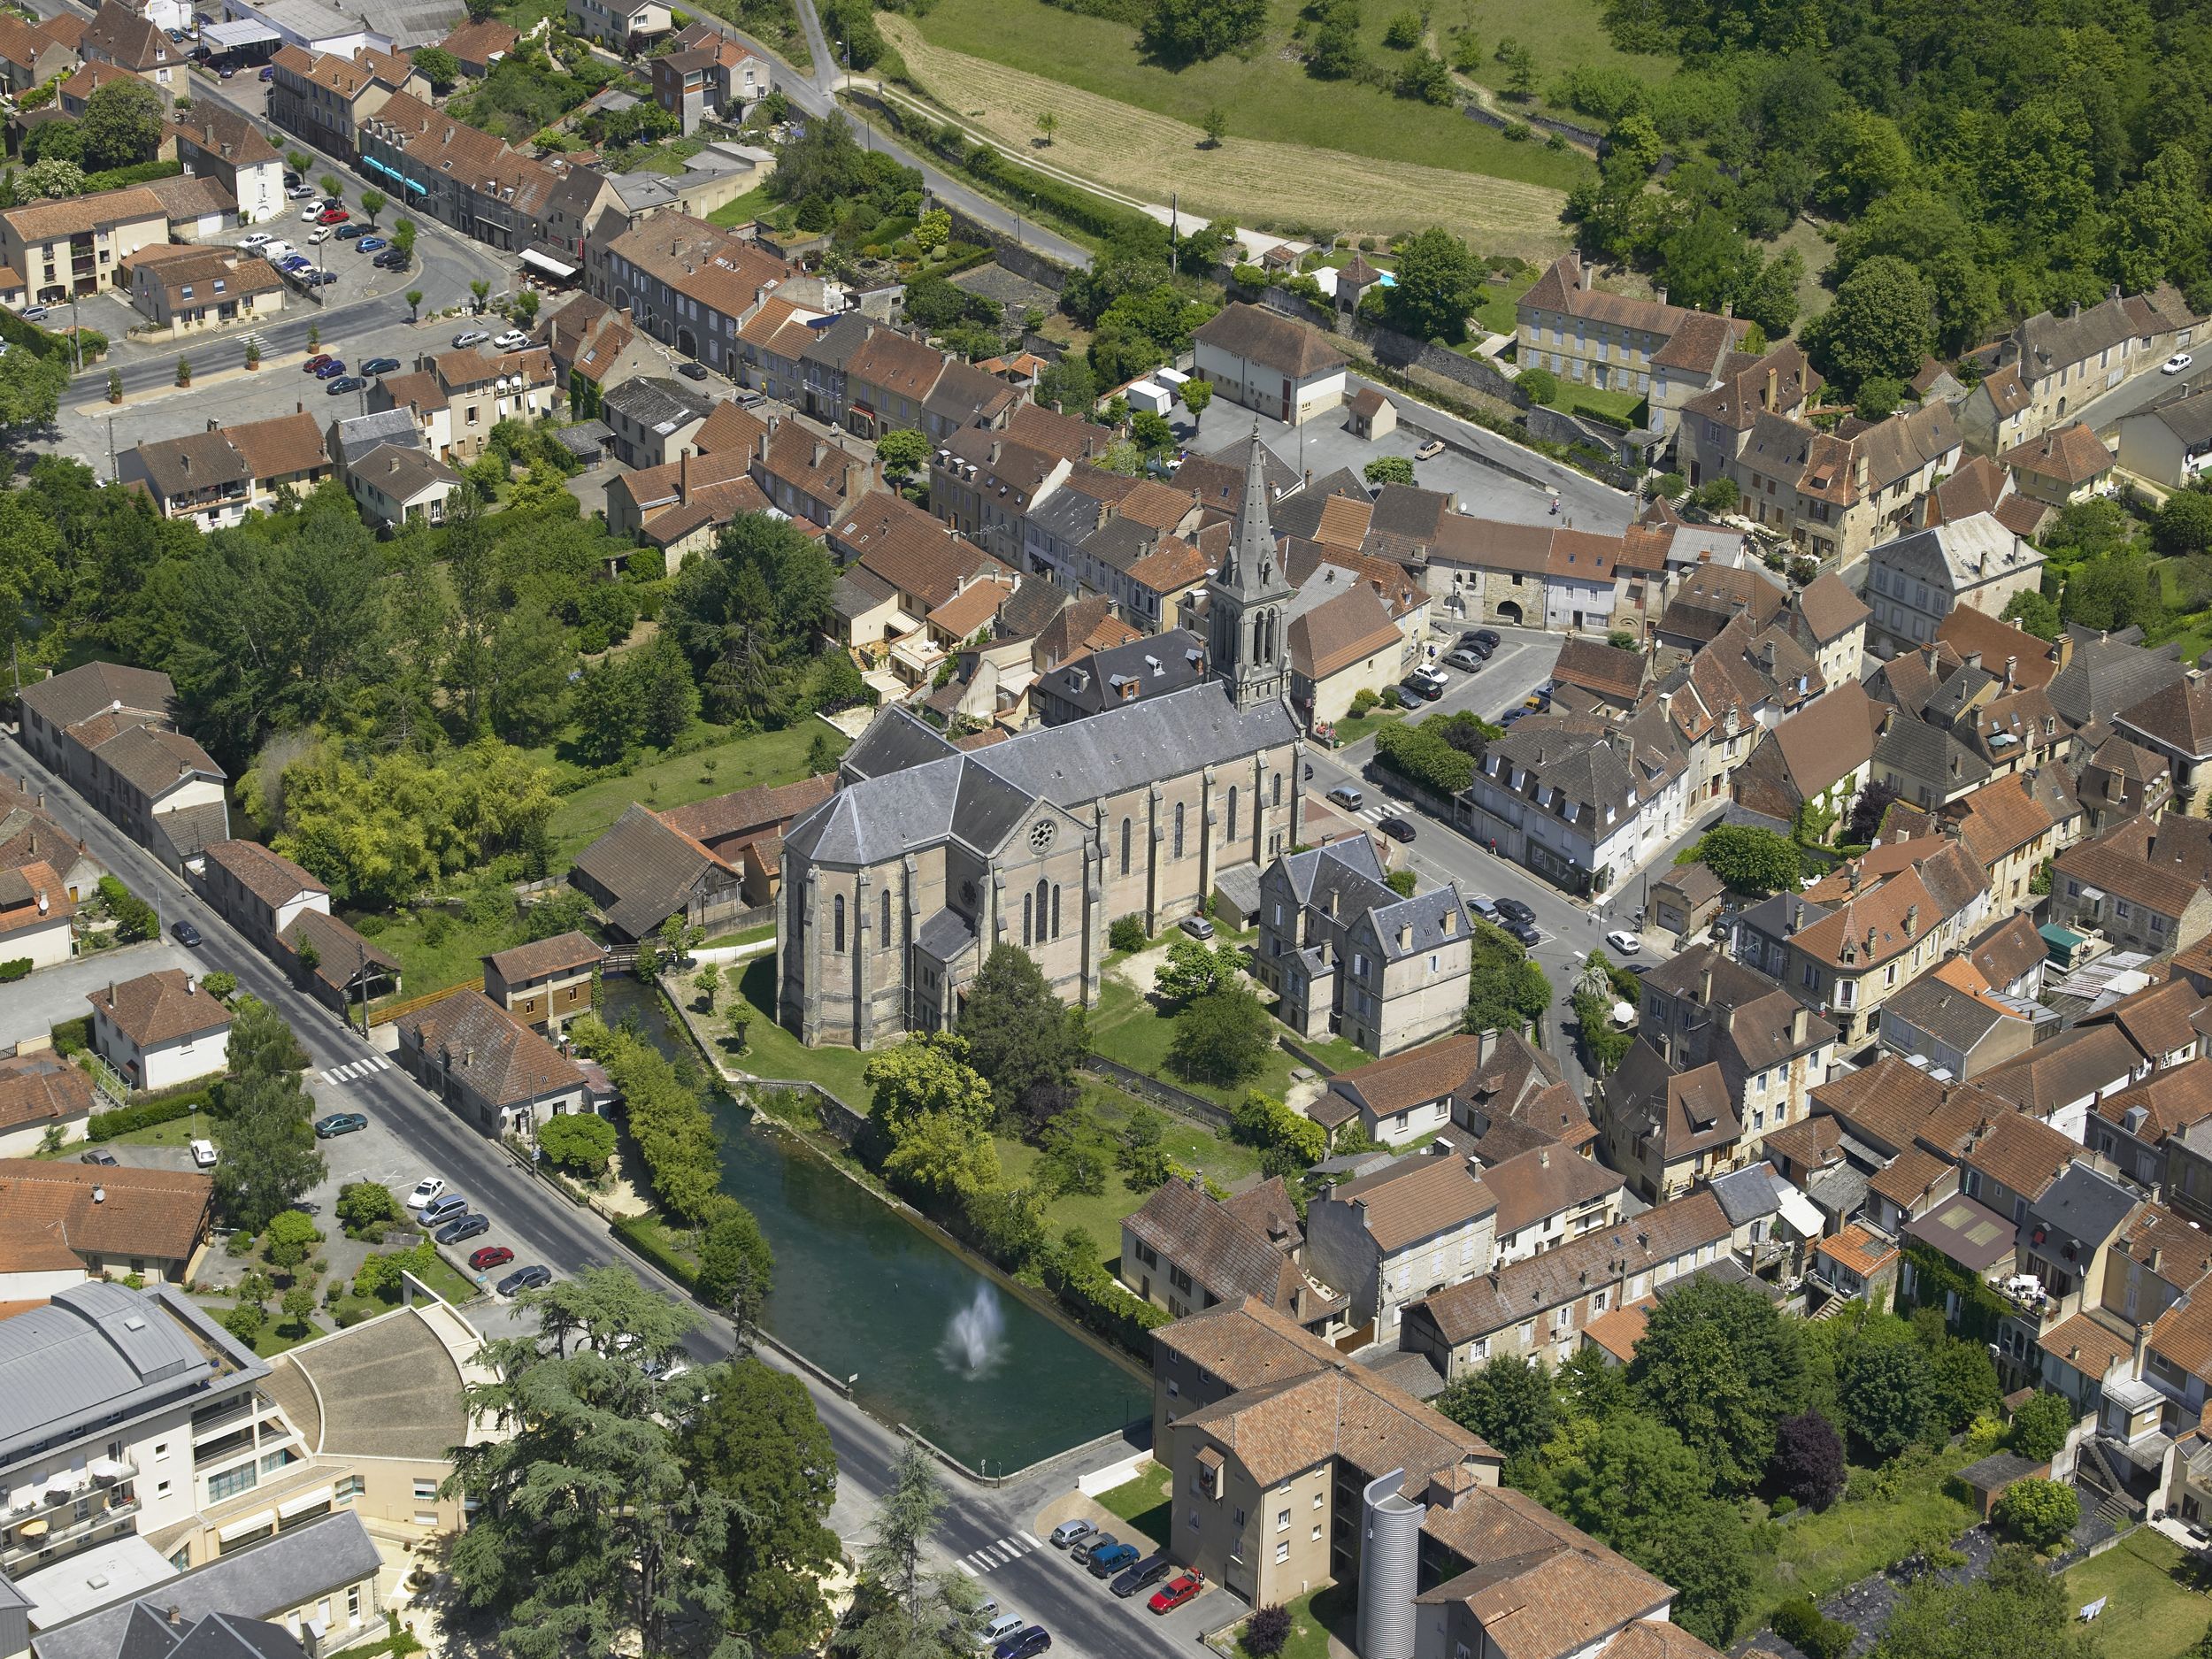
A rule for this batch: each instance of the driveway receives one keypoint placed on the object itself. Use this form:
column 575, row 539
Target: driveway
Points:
column 33, row 1007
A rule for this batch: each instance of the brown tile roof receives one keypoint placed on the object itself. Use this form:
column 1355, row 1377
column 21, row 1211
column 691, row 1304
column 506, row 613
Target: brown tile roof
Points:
column 226, row 135
column 1171, row 567
column 281, row 446
column 2009, row 950
column 1341, row 632
column 41, row 1088
column 32, row 896
column 1343, row 522
column 2155, row 1020
column 2070, row 455
column 1859, row 1248
column 81, row 215
column 1743, row 393
column 561, row 954
column 2183, row 1334
column 269, row 876
column 497, row 1056
column 1810, row 1144
column 813, row 465
column 1564, row 1601
column 153, row 761
column 899, row 364
column 2180, row 715
column 2020, row 1153
column 340, row 953
column 728, row 426
column 67, row 30
column 917, row 554
column 1269, row 339
column 1829, row 737
column 743, row 813
column 1065, row 436
column 66, row 699
column 417, row 390
column 1247, row 1345
column 1701, row 343
column 1911, row 1177
column 1968, row 630
column 1561, row 288
column 1598, row 667
column 1426, row 1072
column 158, row 1007
column 161, row 1213
column 2164, row 866
column 1527, row 1289
column 1873, row 926
column 1416, row 1198
column 2183, row 1254
column 1229, row 1255
column 478, row 40
column 1830, row 608
column 1888, row 1103
column 2170, row 1101
column 1619, row 1330
column 647, row 866
column 1542, row 1181
column 124, row 36
column 2066, row 1069
column 2093, row 1347
column 707, row 265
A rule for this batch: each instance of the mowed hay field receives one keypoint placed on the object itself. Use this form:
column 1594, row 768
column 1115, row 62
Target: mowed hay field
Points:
column 1299, row 151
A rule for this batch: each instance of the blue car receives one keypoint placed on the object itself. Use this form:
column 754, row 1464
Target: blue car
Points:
column 1023, row 1643
column 369, row 244
column 331, row 370
column 1114, row 1558
column 294, row 262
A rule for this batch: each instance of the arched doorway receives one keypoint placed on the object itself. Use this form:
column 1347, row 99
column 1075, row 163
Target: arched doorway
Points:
column 1509, row 613
column 687, row 342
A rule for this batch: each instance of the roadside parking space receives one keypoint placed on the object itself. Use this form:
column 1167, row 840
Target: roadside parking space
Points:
column 1209, row 1608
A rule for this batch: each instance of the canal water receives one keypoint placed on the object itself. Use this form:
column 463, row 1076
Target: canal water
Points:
column 935, row 1343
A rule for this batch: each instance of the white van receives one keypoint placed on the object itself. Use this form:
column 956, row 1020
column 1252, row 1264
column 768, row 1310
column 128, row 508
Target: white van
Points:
column 204, row 1154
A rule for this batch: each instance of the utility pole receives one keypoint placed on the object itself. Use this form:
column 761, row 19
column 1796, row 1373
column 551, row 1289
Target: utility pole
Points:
column 115, row 472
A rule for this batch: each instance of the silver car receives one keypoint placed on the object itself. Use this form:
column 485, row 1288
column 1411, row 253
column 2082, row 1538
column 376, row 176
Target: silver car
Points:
column 1069, row 1533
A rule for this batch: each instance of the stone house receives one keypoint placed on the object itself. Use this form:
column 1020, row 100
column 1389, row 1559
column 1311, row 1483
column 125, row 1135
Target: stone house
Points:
column 1917, row 580
column 325, row 98
column 2144, row 886
column 1665, row 1129
column 160, row 1029
column 493, row 1071
column 1404, row 1233
column 1614, row 342
column 2066, row 465
column 1184, row 1251
column 642, row 871
column 181, row 290
column 2054, row 364
column 544, row 983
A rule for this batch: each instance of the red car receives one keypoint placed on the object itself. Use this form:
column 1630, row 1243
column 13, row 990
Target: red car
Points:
column 1177, row 1591
column 316, row 362
column 491, row 1255
column 332, row 216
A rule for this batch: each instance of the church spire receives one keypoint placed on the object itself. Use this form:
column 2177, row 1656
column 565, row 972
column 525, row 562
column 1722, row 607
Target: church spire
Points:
column 1247, row 596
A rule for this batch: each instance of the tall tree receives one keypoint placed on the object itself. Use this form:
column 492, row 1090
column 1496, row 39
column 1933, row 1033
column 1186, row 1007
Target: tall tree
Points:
column 1509, row 1401
column 1026, row 1042
column 904, row 1613
column 477, row 602
column 1721, row 1366
column 590, row 1534
column 122, row 124
column 1438, row 283
column 1883, row 323
column 269, row 1159
column 760, row 1443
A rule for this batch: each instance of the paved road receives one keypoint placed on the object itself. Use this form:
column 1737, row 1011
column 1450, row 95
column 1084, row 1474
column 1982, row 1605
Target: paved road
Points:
column 985, row 1526
column 2145, row 391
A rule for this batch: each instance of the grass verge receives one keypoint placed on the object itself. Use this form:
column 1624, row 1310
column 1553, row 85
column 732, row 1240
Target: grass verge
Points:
column 1144, row 1502
column 2155, row 1606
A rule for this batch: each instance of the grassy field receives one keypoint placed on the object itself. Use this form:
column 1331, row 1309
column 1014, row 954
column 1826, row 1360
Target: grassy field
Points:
column 744, row 209
column 737, row 762
column 1144, row 1502
column 455, row 956
column 1499, row 299
column 1576, row 398
column 1295, row 145
column 771, row 1051
column 1131, row 1029
column 1820, row 1554
column 1353, row 727
column 1562, row 35
column 2155, row 1607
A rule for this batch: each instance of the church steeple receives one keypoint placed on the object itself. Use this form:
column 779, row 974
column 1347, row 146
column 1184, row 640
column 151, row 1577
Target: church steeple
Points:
column 1247, row 596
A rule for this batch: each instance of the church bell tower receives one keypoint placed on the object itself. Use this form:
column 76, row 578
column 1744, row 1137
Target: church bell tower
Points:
column 1247, row 598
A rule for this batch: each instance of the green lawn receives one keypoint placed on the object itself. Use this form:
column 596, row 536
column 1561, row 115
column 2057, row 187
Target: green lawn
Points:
column 1261, row 95
column 1577, row 398
column 1144, row 1502
column 454, row 958
column 737, row 762
column 277, row 1331
column 1820, row 1554
column 744, row 209
column 771, row 1051
column 1353, row 727
column 2155, row 1607
column 1497, row 313
column 1312, row 1617
column 1131, row 1029
column 749, row 936
column 449, row 1282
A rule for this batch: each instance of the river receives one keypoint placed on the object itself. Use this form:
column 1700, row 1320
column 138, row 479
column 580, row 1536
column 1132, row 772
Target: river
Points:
column 861, row 1291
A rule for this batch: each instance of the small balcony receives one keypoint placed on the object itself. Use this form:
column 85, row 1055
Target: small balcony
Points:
column 29, row 1540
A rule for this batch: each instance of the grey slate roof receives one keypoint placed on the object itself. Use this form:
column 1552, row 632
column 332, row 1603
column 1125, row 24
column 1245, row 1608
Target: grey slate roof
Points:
column 2082, row 1205
column 279, row 1573
column 945, row 935
column 1945, row 1013
column 352, row 438
column 1748, row 1193
column 1921, row 750
column 1158, row 665
column 939, row 792
column 99, row 1351
column 832, row 347
column 2108, row 675
column 657, row 403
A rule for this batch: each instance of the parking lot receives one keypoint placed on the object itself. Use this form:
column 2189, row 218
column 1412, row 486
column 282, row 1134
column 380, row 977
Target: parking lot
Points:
column 31, row 1008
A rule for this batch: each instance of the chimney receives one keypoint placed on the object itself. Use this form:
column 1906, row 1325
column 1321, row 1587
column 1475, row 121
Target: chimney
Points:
column 683, row 474
column 1487, row 1045
column 1774, row 385
column 1405, row 936
column 2142, row 1331
column 820, row 449
column 1858, row 472
column 2012, row 664
column 1798, row 1019
column 1912, row 921
column 1332, row 904
column 1662, row 291
column 1584, row 274
column 175, row 1616
column 1869, row 940
column 2065, row 651
column 42, row 892
column 1543, row 1157
column 1705, row 987
column 111, row 997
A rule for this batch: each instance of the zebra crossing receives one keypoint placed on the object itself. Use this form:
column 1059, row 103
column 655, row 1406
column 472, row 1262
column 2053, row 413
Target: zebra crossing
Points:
column 358, row 1068
column 977, row 1563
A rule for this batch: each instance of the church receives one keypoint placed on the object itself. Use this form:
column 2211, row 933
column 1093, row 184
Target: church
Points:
column 897, row 886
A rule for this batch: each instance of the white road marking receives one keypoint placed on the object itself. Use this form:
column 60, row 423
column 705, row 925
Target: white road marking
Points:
column 970, row 1571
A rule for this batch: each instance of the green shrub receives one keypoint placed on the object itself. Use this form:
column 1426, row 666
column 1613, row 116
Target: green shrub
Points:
column 1806, row 1628
column 11, row 971
column 124, row 1120
column 1784, row 1505
column 1128, row 934
column 641, row 1233
column 73, row 1036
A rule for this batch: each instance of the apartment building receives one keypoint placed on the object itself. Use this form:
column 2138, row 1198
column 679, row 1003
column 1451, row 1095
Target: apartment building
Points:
column 691, row 285
column 125, row 37
column 217, row 144
column 1403, row 1232
column 1186, row 1251
column 79, row 245
column 325, row 99
column 181, row 290
column 481, row 186
column 215, row 478
column 1917, row 580
column 2145, row 885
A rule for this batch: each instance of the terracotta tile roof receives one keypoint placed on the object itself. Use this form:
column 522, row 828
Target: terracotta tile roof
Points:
column 2093, row 1347
column 1171, row 567
column 1657, row 1638
column 1541, row 1182
column 81, row 215
column 66, row 30
column 1561, row 288
column 1811, row 1142
column 269, row 876
column 1619, row 1331
column 719, row 270
column 728, row 426
column 899, row 364
column 160, row 1213
column 2164, row 866
column 813, row 465
column 1562, row 1601
column 41, row 1088
column 1343, row 522
column 1232, row 1256
column 2170, row 1101
column 225, row 135
column 1339, row 633
column 915, row 553
column 2070, row 455
column 1429, row 1072
column 1247, row 1345
column 2182, row 1252
column 1529, row 1287
column 2020, row 1153
column 1269, row 339
column 2183, row 1334
column 1912, row 1177
column 1859, row 1248
column 1598, row 667
column 1065, row 436
column 561, row 953
column 340, row 953
column 279, row 446
column 417, row 390
column 32, row 896
column 2155, row 1020
column 158, row 1007
column 1888, row 1103
column 1416, row 1198
column 478, row 40
column 497, row 1056
column 2066, row 1069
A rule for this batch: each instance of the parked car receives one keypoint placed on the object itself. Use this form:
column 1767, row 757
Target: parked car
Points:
column 226, row 72
column 1627, row 943
column 691, row 371
column 1104, row 1563
column 426, row 1189
column 1467, row 661
column 345, row 383
column 312, row 211
column 1417, row 685
column 331, row 370
column 34, row 313
column 268, row 72
column 1517, row 910
column 1004, row 1625
column 2177, row 364
column 392, row 259
column 1196, row 926
column 531, row 1278
column 369, row 244
column 1069, row 1533
column 332, row 216
column 204, row 1154
column 1488, row 909
column 1395, row 828
column 98, row 1154
column 185, row 934
column 1487, row 636
column 296, row 263
column 320, row 234
column 491, row 1255
column 318, row 279
column 463, row 1228
column 299, row 192
column 316, row 362
column 1512, row 715
column 1350, row 799
column 1025, row 1645
column 1429, row 451
column 1086, row 1547
column 511, row 340
column 1524, row 932
column 1177, row 1591
column 1143, row 1575
column 351, row 233
column 340, row 1124
column 380, row 365
column 258, row 238
column 444, row 1207
column 469, row 337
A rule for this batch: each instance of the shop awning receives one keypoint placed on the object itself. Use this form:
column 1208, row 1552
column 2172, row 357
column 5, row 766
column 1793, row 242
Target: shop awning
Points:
column 253, row 1523
column 547, row 263
column 291, row 1506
